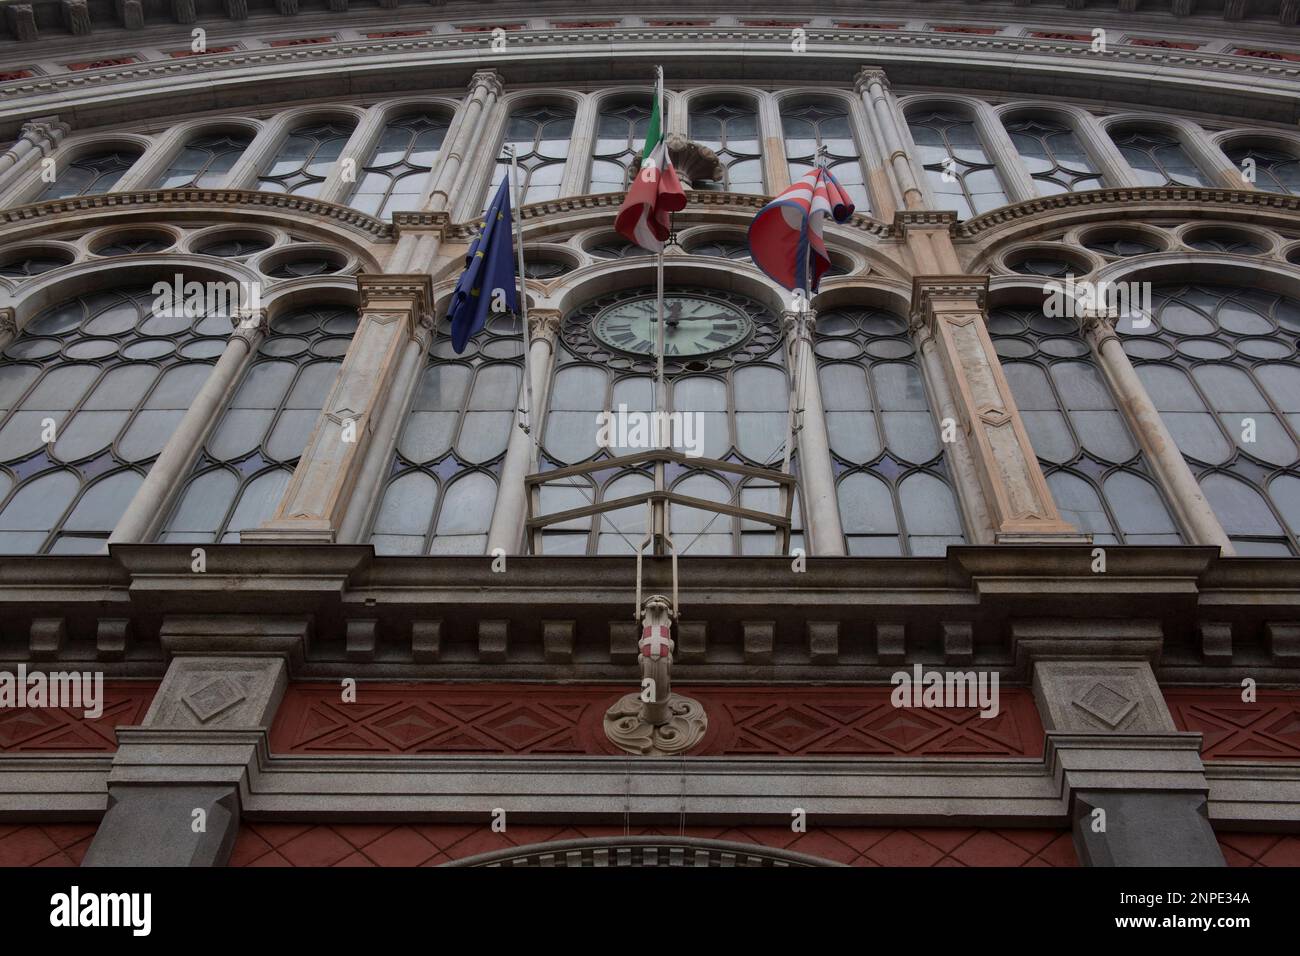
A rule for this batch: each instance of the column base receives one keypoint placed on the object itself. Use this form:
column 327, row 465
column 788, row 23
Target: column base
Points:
column 155, row 826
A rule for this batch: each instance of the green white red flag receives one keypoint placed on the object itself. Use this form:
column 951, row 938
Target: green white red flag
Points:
column 655, row 194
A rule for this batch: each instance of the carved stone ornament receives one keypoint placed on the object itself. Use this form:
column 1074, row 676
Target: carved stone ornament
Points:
column 691, row 160
column 685, row 728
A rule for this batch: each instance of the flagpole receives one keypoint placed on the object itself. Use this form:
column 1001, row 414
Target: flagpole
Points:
column 661, row 387
column 526, row 412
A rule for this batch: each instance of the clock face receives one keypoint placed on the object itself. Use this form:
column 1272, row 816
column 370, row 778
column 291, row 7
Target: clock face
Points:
column 693, row 326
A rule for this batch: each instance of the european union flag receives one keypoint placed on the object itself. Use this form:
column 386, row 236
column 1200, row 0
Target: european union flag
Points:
column 489, row 267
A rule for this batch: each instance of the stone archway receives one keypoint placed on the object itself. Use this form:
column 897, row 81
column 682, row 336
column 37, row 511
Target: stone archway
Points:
column 651, row 851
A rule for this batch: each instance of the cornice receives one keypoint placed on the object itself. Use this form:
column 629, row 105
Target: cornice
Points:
column 1127, row 197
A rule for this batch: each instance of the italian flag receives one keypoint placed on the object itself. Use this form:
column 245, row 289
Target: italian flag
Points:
column 655, row 194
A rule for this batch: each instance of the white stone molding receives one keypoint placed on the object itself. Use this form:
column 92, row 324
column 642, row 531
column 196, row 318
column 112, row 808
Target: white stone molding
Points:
column 37, row 139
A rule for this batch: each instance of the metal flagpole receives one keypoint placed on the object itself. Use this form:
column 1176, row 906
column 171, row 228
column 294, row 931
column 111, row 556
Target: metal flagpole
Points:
column 525, row 412
column 661, row 387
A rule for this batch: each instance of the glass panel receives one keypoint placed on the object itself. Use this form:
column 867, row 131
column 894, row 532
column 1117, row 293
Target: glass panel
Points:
column 400, row 166
column 960, row 172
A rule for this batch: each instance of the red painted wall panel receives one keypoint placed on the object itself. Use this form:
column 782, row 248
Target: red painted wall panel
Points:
column 1266, row 729
column 51, row 729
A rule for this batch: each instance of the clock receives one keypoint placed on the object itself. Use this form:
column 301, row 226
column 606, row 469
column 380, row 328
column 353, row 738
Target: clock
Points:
column 694, row 325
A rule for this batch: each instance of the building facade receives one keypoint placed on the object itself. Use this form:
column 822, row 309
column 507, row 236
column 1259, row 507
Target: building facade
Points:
column 1039, row 428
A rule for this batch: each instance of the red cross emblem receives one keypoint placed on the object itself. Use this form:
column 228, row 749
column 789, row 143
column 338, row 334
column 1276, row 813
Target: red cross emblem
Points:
column 655, row 641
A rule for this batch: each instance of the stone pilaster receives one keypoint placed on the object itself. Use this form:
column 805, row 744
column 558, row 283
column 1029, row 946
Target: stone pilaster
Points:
column 37, row 139
column 179, row 776
column 395, row 309
column 872, row 85
column 951, row 309
column 816, row 473
column 1184, row 494
column 507, row 530
column 484, row 90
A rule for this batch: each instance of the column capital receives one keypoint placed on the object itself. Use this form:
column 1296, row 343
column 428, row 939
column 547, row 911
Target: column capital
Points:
column 250, row 325
column 544, row 323
column 408, row 295
column 796, row 320
column 868, row 75
column 489, row 81
column 45, row 132
column 948, row 293
column 8, row 322
column 1098, row 327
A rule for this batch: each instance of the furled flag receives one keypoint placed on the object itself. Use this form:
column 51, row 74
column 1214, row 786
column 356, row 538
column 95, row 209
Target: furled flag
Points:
column 489, row 275
column 785, row 238
column 655, row 193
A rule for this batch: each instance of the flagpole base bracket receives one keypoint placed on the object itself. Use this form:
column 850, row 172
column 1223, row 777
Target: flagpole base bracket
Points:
column 627, row 727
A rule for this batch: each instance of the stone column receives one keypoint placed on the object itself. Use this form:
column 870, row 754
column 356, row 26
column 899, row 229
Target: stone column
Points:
column 507, row 530
column 1092, row 135
column 149, row 508
column 951, row 309
column 484, row 90
column 873, row 87
column 179, row 776
column 580, row 148
column 1183, row 492
column 395, row 309
column 1006, row 160
column 358, row 148
column 1218, row 169
column 776, row 169
column 1136, row 784
column 37, row 139
column 816, row 473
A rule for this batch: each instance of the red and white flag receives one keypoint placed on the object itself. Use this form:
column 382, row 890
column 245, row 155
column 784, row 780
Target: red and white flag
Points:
column 785, row 238
column 655, row 194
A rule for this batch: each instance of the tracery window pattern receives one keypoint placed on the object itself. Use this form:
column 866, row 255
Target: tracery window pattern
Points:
column 442, row 485
column 741, row 397
column 114, row 379
column 250, row 454
column 1157, row 159
column 959, row 170
column 398, row 170
column 1220, row 364
column 731, row 131
column 91, row 175
column 205, row 161
column 305, row 159
column 540, row 135
column 892, row 481
column 620, row 136
column 1054, row 156
column 1275, row 171
column 1097, row 474
column 825, row 124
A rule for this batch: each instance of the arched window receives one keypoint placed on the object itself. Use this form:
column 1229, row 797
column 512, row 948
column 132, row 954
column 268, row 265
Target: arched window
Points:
column 1275, row 171
column 205, row 161
column 1054, row 156
column 442, row 486
column 893, row 486
column 1094, row 468
column 1219, row 362
column 727, row 399
column 91, row 175
column 540, row 135
column 731, row 131
column 825, row 124
column 398, row 171
column 305, row 159
column 90, row 391
column 252, row 450
column 620, row 136
column 960, row 172
column 1157, row 159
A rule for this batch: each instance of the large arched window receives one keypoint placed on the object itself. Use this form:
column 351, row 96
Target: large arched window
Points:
column 91, row 175
column 540, row 135
column 443, row 478
column 730, row 397
column 1157, row 159
column 892, row 484
column 620, row 136
column 398, row 171
column 960, row 172
column 812, row 125
column 305, row 158
column 1275, row 170
column 90, row 391
column 1097, row 474
column 205, row 161
column 731, row 131
column 252, row 450
column 1219, row 362
column 1054, row 156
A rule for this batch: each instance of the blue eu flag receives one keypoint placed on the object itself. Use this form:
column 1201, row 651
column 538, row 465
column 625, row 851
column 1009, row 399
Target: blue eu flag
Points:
column 489, row 266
